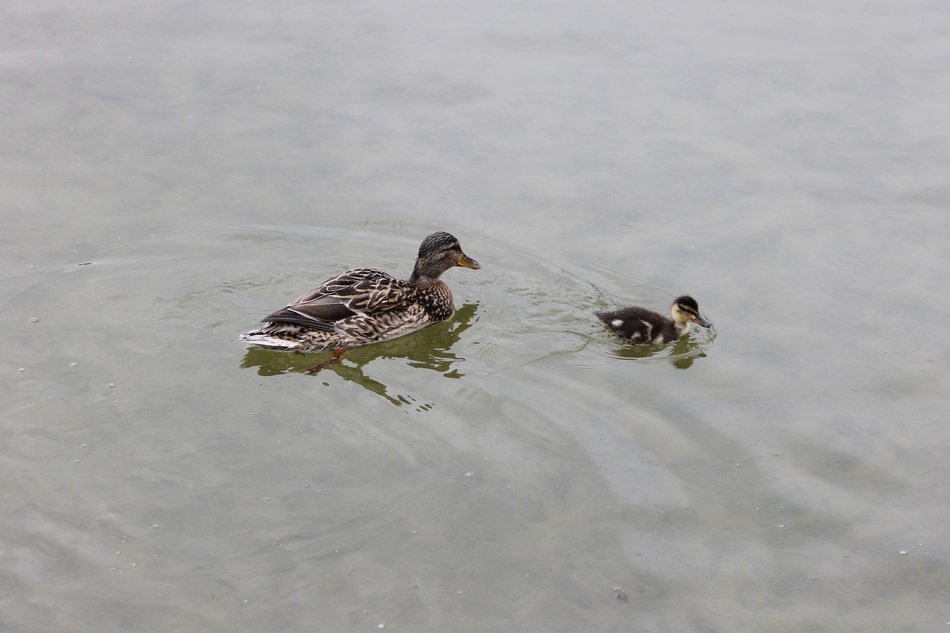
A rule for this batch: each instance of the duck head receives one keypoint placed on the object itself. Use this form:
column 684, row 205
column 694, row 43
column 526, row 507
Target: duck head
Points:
column 685, row 310
column 437, row 253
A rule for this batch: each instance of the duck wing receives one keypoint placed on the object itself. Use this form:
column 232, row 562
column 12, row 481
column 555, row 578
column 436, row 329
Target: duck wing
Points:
column 361, row 291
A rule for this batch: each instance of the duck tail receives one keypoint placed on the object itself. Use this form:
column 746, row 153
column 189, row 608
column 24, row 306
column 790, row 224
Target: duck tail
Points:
column 264, row 339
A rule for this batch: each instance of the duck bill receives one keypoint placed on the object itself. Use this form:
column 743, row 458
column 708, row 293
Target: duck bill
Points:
column 702, row 321
column 467, row 262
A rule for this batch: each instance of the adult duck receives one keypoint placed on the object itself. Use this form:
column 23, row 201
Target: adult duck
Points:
column 365, row 305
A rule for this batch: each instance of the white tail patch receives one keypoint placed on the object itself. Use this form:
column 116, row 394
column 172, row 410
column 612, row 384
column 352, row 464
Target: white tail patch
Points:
column 264, row 340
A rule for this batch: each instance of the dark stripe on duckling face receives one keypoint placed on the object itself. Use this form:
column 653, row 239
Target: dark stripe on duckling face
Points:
column 690, row 308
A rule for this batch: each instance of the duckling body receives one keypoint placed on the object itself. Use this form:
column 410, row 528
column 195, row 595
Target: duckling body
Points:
column 366, row 305
column 639, row 325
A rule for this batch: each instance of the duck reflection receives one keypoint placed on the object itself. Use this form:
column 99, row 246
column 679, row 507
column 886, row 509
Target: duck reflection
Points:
column 682, row 353
column 427, row 349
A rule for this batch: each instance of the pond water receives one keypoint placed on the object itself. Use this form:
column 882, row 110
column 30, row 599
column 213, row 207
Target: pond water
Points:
column 174, row 171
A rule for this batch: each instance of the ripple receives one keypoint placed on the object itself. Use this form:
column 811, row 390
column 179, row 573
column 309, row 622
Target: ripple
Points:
column 533, row 307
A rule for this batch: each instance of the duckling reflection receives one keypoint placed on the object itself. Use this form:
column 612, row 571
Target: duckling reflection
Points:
column 427, row 349
column 681, row 354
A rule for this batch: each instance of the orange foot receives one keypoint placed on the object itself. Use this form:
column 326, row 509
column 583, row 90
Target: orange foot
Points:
column 337, row 355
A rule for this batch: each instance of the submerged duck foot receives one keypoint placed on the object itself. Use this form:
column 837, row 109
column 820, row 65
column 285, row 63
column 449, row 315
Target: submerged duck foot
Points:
column 337, row 355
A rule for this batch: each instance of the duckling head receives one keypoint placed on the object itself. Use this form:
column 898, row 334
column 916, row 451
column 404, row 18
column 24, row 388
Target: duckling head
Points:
column 437, row 253
column 685, row 310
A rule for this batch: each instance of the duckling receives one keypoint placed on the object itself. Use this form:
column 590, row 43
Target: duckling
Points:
column 365, row 305
column 639, row 325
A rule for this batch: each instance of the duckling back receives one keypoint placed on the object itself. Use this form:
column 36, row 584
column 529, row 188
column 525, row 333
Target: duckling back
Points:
column 639, row 325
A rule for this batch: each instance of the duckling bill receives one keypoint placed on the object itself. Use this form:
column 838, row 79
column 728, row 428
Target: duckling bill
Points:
column 365, row 305
column 639, row 325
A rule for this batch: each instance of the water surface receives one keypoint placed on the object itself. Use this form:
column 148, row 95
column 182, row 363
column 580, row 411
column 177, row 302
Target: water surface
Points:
column 172, row 172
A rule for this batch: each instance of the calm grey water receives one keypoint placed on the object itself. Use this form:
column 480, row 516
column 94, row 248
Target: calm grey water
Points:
column 173, row 171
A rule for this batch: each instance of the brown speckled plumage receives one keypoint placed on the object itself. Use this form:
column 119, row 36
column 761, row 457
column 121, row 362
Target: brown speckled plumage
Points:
column 366, row 305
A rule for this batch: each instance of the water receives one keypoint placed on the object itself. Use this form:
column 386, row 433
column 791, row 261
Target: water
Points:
column 173, row 172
